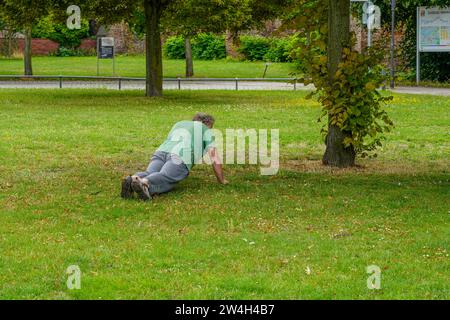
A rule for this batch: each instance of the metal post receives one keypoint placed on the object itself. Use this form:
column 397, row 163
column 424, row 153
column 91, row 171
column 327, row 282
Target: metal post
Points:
column 237, row 87
column 418, row 68
column 369, row 26
column 98, row 48
column 295, row 84
column 418, row 48
column 265, row 70
column 60, row 82
column 120, row 83
column 179, row 83
column 392, row 44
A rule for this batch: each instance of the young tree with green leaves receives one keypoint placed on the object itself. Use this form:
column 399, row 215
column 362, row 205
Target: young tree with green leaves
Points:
column 249, row 14
column 144, row 15
column 191, row 17
column 346, row 80
column 111, row 11
column 153, row 10
column 22, row 15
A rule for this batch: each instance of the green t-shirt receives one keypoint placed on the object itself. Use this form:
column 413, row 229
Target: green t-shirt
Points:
column 189, row 140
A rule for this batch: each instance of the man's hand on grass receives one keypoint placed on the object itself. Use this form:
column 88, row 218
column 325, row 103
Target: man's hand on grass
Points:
column 217, row 166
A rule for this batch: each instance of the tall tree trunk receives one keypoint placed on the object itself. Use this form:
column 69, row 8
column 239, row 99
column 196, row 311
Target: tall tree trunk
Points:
column 28, row 70
column 188, row 54
column 153, row 53
column 336, row 154
column 232, row 44
column 10, row 43
column 9, row 49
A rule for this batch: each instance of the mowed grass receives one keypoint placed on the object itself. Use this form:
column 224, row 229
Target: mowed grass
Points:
column 306, row 233
column 134, row 66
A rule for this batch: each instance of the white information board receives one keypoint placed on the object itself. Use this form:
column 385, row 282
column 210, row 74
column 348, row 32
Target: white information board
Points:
column 433, row 29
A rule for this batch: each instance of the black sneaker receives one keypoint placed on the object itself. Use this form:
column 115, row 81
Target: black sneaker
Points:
column 141, row 189
column 127, row 190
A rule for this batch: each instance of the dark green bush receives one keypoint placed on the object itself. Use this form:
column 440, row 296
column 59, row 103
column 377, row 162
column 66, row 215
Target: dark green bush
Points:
column 206, row 46
column 254, row 47
column 70, row 52
column 279, row 50
column 260, row 48
column 174, row 47
column 58, row 32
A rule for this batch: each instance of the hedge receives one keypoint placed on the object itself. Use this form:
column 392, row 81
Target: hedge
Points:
column 205, row 46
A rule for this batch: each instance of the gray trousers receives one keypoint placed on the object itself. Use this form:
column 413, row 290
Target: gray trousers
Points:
column 164, row 172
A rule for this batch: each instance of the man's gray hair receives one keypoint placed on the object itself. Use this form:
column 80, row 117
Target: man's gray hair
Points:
column 206, row 119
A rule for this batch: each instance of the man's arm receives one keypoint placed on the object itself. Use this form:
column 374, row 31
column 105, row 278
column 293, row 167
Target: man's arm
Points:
column 217, row 165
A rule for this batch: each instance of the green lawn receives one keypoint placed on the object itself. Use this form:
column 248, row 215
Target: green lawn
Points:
column 134, row 66
column 63, row 153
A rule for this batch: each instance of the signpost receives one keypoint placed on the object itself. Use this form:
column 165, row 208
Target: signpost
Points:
column 433, row 32
column 105, row 50
column 368, row 21
column 393, row 4
column 371, row 18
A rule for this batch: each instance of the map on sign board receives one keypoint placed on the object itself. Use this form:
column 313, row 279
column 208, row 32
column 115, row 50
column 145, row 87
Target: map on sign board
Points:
column 434, row 29
column 106, row 48
column 107, row 41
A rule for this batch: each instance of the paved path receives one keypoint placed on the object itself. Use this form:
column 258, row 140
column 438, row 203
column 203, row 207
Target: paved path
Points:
column 424, row 90
column 133, row 85
column 197, row 85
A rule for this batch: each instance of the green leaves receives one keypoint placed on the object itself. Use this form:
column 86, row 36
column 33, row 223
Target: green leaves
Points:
column 349, row 99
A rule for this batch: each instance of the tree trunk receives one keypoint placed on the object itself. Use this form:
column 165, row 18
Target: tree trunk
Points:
column 153, row 53
column 9, row 49
column 28, row 70
column 232, row 44
column 10, row 43
column 336, row 154
column 188, row 54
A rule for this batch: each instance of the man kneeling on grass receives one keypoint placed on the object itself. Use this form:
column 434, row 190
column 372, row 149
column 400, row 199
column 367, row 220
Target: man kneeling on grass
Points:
column 186, row 144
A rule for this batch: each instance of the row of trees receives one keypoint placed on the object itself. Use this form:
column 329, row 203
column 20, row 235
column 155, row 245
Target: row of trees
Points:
column 346, row 80
column 188, row 18
column 149, row 17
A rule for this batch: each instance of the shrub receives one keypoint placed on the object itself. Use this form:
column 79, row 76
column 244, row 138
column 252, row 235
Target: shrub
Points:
column 350, row 102
column 58, row 32
column 279, row 50
column 254, row 47
column 70, row 52
column 206, row 46
column 174, row 47
column 260, row 48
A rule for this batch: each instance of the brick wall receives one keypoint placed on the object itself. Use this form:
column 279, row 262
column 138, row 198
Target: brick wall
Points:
column 88, row 44
column 39, row 47
column 45, row 47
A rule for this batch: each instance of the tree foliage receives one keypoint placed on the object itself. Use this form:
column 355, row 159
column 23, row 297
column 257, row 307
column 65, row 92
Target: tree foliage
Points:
column 48, row 28
column 348, row 95
column 23, row 13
